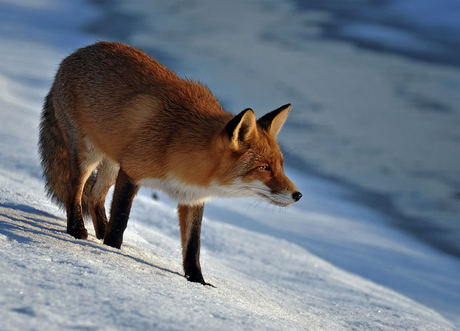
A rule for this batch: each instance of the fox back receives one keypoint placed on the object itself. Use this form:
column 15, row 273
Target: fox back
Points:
column 115, row 109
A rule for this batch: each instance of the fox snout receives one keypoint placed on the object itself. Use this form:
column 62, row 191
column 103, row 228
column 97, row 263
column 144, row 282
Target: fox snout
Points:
column 295, row 197
column 284, row 200
column 279, row 198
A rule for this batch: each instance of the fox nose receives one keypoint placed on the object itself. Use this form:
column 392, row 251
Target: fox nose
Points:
column 296, row 196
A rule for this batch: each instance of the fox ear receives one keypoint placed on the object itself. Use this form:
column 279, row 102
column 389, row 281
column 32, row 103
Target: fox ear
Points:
column 273, row 121
column 241, row 128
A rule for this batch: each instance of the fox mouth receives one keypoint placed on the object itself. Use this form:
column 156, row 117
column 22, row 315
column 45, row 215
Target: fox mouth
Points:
column 273, row 201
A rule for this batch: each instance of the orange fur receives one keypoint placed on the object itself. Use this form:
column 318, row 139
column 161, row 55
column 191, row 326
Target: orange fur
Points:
column 114, row 108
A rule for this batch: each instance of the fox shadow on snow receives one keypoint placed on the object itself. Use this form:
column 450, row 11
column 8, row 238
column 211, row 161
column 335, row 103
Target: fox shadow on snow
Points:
column 25, row 224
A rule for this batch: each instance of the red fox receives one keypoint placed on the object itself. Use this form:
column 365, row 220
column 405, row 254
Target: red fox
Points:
column 114, row 115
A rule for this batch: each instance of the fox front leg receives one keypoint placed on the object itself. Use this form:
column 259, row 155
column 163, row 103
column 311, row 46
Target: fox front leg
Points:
column 190, row 228
column 125, row 190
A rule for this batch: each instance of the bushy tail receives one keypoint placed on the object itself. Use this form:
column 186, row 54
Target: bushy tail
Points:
column 54, row 158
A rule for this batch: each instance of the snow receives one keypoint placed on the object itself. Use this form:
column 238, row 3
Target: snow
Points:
column 51, row 281
column 325, row 263
column 424, row 29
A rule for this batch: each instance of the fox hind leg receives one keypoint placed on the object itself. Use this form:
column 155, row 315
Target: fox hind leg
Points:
column 82, row 161
column 107, row 172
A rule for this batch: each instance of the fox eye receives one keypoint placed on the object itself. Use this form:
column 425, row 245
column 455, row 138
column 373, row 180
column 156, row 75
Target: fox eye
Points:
column 265, row 168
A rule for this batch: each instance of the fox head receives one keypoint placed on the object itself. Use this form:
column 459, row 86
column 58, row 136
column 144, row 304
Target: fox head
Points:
column 256, row 161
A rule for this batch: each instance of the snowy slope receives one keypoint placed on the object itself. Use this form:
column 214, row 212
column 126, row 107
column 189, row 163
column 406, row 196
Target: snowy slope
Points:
column 53, row 282
column 50, row 281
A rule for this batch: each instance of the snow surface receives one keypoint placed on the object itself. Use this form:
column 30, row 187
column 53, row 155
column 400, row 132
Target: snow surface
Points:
column 424, row 29
column 264, row 261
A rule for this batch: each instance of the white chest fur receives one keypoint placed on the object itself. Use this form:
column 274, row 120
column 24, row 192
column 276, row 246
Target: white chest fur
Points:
column 184, row 193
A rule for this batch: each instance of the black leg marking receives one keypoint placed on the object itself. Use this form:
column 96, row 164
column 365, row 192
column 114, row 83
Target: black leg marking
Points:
column 75, row 223
column 190, row 218
column 125, row 190
column 99, row 220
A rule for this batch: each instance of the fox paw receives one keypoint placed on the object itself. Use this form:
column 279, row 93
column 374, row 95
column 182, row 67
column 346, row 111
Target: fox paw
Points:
column 113, row 240
column 197, row 278
column 78, row 233
column 100, row 231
